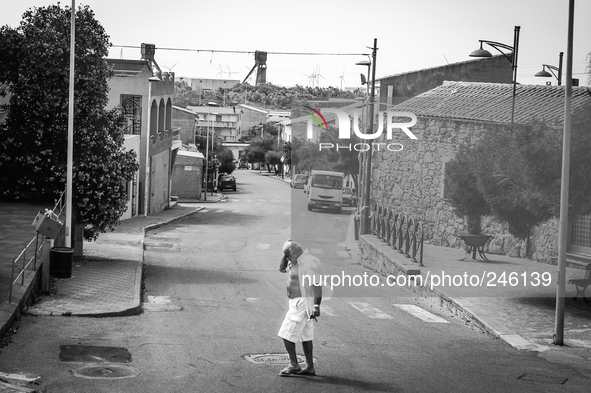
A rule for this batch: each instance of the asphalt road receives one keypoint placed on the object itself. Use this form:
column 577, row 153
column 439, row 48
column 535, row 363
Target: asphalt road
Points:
column 216, row 298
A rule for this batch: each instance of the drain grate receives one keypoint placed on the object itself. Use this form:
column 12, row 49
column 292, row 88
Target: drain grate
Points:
column 105, row 372
column 543, row 378
column 271, row 358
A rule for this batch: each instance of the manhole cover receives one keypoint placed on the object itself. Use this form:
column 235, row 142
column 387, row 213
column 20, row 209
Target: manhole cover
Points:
column 105, row 372
column 543, row 378
column 272, row 358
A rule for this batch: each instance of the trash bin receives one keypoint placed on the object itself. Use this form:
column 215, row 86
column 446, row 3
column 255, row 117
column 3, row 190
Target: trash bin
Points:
column 60, row 262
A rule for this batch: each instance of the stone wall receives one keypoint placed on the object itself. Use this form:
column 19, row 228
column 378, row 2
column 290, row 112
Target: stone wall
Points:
column 403, row 86
column 412, row 181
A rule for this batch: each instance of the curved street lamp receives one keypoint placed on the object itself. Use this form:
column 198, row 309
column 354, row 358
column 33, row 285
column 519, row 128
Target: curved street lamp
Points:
column 557, row 75
column 511, row 57
column 209, row 105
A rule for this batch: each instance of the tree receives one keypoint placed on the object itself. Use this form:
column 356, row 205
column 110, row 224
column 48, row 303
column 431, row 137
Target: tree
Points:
column 259, row 147
column 461, row 189
column 515, row 174
column 34, row 64
column 273, row 158
column 226, row 159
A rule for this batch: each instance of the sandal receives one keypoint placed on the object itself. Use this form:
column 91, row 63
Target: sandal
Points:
column 289, row 370
column 307, row 372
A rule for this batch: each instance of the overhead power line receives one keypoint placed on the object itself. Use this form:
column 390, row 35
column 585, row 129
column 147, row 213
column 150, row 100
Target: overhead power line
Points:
column 248, row 52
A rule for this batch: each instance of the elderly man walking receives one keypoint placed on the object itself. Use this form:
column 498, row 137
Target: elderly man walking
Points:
column 304, row 305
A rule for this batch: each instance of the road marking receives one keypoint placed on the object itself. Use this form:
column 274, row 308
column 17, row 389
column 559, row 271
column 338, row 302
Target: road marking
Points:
column 325, row 310
column 370, row 311
column 263, row 200
column 420, row 313
column 236, row 211
column 343, row 254
column 316, row 251
column 263, row 246
column 220, row 211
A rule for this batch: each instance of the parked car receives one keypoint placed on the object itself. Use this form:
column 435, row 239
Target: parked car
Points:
column 298, row 181
column 349, row 197
column 243, row 165
column 227, row 181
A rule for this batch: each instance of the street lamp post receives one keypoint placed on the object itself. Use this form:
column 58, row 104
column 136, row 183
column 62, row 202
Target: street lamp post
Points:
column 512, row 58
column 361, row 155
column 546, row 74
column 70, row 143
column 209, row 105
column 365, row 216
column 213, row 180
column 564, row 184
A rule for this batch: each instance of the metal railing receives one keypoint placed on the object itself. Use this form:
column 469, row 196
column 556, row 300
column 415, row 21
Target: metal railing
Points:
column 399, row 231
column 25, row 264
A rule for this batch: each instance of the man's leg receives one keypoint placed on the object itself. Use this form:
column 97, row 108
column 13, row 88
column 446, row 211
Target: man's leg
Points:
column 291, row 350
column 308, row 352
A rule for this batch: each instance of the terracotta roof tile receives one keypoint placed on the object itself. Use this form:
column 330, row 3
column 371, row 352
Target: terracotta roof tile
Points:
column 492, row 102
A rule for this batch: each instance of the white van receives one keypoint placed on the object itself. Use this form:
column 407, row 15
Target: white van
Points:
column 325, row 190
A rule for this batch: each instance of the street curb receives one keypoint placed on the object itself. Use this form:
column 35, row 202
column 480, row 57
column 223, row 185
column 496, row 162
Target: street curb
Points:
column 137, row 307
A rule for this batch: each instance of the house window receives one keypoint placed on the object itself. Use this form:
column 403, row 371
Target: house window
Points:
column 132, row 113
column 580, row 235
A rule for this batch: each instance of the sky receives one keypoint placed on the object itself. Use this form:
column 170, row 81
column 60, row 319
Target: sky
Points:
column 193, row 38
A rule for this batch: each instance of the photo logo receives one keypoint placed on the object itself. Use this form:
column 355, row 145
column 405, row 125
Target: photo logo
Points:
column 345, row 127
column 319, row 114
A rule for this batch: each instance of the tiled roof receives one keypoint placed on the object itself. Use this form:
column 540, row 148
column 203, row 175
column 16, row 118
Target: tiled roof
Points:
column 491, row 102
column 222, row 110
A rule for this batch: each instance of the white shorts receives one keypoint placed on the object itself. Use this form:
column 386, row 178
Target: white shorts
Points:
column 296, row 326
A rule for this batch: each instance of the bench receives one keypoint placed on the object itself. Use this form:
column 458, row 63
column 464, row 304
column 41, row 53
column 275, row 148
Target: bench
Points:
column 581, row 284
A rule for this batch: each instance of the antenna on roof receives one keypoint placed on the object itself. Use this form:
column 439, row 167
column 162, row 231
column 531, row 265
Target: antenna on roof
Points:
column 445, row 59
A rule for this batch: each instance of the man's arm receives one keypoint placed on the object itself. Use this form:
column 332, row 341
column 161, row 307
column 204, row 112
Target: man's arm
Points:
column 283, row 265
column 317, row 300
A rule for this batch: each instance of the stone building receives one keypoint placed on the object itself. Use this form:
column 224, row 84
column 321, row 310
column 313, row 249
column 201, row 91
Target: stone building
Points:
column 412, row 180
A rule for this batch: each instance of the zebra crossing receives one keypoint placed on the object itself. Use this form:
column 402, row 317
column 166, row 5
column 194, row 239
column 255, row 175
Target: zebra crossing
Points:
column 372, row 312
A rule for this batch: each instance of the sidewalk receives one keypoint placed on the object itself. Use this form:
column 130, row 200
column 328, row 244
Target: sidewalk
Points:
column 105, row 282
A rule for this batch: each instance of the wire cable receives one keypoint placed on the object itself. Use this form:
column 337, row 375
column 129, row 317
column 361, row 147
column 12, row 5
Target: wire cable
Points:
column 249, row 52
